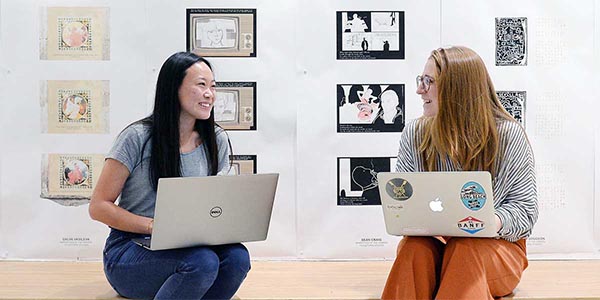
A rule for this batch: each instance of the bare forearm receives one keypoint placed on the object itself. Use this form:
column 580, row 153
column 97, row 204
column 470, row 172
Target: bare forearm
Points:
column 119, row 218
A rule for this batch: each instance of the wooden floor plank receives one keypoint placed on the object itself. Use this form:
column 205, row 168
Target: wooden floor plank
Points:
column 289, row 280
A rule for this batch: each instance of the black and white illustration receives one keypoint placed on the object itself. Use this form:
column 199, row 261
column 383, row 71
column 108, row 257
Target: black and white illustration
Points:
column 235, row 105
column 511, row 41
column 370, row 35
column 514, row 103
column 357, row 179
column 242, row 164
column 214, row 32
column 370, row 108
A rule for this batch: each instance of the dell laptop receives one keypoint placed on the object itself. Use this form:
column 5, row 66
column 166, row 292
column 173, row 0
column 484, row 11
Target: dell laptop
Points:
column 213, row 210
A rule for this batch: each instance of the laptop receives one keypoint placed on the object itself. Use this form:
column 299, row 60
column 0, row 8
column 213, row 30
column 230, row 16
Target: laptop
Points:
column 213, row 210
column 457, row 204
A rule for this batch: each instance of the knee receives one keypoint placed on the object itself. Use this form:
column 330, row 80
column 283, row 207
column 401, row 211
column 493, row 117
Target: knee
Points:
column 237, row 255
column 202, row 261
column 465, row 245
column 412, row 246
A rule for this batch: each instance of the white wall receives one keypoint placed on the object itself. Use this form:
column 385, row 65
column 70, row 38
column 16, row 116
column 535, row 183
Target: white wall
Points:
column 296, row 73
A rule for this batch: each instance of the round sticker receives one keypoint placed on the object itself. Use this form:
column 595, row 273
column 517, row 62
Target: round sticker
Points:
column 399, row 189
column 473, row 195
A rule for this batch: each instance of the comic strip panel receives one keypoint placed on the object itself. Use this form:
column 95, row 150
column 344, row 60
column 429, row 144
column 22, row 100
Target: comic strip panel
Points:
column 357, row 179
column 370, row 35
column 235, row 105
column 74, row 33
column 221, row 32
column 511, row 41
column 68, row 179
column 75, row 106
column 242, row 164
column 514, row 103
column 370, row 108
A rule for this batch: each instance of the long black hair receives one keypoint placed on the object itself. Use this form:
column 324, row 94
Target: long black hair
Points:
column 165, row 160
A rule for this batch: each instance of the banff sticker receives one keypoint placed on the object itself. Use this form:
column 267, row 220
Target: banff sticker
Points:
column 473, row 195
column 471, row 225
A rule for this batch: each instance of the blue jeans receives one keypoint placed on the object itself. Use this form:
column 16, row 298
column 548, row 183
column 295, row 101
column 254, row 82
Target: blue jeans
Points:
column 214, row 272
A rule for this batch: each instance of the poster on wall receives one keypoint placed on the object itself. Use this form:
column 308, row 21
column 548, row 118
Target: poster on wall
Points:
column 74, row 106
column 214, row 32
column 370, row 108
column 68, row 179
column 370, row 35
column 357, row 179
column 235, row 105
column 74, row 33
column 514, row 103
column 511, row 41
column 242, row 164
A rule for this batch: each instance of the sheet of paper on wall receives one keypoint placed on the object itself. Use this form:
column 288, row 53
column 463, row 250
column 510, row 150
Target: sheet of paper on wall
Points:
column 357, row 179
column 514, row 103
column 235, row 105
column 511, row 42
column 75, row 106
column 74, row 33
column 215, row 32
column 370, row 108
column 242, row 164
column 68, row 179
column 370, row 35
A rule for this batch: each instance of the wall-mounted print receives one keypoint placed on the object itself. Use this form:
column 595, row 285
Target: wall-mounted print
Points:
column 511, row 42
column 75, row 106
column 514, row 103
column 216, row 32
column 235, row 105
column 68, row 179
column 370, row 108
column 370, row 34
column 75, row 33
column 242, row 164
column 357, row 179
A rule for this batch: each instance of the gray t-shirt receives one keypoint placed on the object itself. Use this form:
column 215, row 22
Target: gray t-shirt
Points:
column 137, row 195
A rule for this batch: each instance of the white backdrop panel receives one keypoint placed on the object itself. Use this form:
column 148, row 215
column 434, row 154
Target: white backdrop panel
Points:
column 273, row 71
column 40, row 228
column 326, row 230
column 560, row 51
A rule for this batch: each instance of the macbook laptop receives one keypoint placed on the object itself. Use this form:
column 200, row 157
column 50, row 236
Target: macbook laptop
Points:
column 213, row 210
column 459, row 204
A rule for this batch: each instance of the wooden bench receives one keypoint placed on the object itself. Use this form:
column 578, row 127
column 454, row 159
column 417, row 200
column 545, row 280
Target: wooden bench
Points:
column 289, row 280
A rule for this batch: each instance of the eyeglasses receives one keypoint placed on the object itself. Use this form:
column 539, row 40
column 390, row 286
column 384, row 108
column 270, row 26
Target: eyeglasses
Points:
column 424, row 81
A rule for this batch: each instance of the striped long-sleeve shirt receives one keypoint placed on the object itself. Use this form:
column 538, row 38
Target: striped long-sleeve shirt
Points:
column 515, row 193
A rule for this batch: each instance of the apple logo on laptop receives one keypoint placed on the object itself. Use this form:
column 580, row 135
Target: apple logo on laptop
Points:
column 436, row 205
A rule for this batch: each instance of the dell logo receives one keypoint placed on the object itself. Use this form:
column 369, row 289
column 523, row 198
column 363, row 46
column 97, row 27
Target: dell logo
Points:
column 215, row 212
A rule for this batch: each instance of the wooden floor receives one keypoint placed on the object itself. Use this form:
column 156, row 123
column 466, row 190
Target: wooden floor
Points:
column 289, row 280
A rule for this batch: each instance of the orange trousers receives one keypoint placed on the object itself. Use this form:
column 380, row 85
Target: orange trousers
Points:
column 464, row 268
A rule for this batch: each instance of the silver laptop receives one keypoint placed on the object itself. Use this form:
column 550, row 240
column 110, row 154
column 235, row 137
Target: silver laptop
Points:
column 459, row 204
column 213, row 210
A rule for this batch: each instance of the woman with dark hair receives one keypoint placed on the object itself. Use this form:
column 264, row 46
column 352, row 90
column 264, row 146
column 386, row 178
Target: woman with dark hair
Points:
column 180, row 138
column 464, row 127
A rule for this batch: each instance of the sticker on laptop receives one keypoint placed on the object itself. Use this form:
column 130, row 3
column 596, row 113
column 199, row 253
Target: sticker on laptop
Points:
column 471, row 225
column 473, row 195
column 399, row 189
